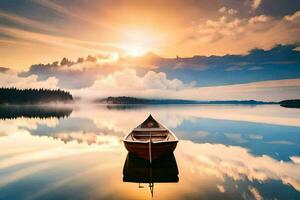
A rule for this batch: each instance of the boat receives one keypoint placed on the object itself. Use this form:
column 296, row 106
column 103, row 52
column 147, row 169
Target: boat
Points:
column 150, row 140
column 162, row 170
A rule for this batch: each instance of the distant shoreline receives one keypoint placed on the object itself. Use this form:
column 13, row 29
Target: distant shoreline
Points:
column 125, row 100
column 13, row 96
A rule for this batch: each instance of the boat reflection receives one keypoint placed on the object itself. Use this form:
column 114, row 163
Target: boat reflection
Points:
column 162, row 170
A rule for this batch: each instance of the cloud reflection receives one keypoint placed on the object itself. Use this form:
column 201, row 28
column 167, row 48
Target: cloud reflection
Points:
column 85, row 154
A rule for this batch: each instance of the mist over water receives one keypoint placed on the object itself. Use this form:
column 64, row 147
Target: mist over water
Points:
column 224, row 152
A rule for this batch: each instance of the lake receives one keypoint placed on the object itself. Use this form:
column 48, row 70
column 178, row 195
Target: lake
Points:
column 224, row 152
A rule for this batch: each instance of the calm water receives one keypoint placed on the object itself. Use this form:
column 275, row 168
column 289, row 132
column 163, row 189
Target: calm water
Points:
column 225, row 152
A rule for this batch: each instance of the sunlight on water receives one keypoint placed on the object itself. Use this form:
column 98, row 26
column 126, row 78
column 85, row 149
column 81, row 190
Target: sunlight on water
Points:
column 224, row 152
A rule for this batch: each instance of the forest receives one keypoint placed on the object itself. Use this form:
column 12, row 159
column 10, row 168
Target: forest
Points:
column 16, row 96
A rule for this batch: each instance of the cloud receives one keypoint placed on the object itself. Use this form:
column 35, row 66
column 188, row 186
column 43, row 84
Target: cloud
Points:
column 159, row 77
column 228, row 11
column 222, row 9
column 281, row 62
column 127, row 82
column 156, row 85
column 294, row 17
column 255, row 4
column 11, row 79
column 70, row 74
column 295, row 159
column 66, row 11
column 68, row 43
column 76, row 30
column 255, row 193
column 4, row 69
column 265, row 90
column 245, row 33
column 26, row 21
column 235, row 68
column 221, row 188
column 259, row 19
column 255, row 137
column 256, row 68
column 235, row 137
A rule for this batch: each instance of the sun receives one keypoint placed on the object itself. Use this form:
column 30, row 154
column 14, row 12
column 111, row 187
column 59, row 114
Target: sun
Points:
column 137, row 42
column 134, row 51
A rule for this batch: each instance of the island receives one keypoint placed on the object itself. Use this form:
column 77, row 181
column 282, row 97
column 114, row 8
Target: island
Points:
column 293, row 103
column 125, row 100
column 14, row 96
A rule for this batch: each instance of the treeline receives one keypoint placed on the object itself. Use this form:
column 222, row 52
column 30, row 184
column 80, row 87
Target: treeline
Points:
column 293, row 103
column 33, row 96
column 133, row 100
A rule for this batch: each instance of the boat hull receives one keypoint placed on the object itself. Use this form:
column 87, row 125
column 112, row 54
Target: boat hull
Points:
column 157, row 149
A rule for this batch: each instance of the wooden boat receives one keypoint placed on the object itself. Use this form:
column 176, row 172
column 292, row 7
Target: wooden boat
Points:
column 150, row 140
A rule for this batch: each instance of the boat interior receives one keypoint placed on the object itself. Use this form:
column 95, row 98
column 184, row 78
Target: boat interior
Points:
column 150, row 129
column 150, row 135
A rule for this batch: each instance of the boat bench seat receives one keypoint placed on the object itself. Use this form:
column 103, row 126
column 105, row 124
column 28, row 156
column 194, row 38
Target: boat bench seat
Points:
column 148, row 135
column 150, row 129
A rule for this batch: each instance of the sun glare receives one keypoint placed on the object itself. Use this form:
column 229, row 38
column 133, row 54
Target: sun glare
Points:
column 139, row 42
column 134, row 51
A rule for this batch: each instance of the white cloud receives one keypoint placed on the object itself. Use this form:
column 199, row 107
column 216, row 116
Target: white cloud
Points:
column 239, row 35
column 274, row 90
column 11, row 79
column 221, row 188
column 293, row 17
column 235, row 137
column 255, row 4
column 255, row 137
column 128, row 79
column 26, row 21
column 222, row 9
column 259, row 19
column 229, row 11
column 127, row 82
column 295, row 159
column 255, row 193
column 157, row 85
column 256, row 68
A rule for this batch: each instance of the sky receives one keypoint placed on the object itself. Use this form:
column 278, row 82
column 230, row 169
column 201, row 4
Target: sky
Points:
column 192, row 49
